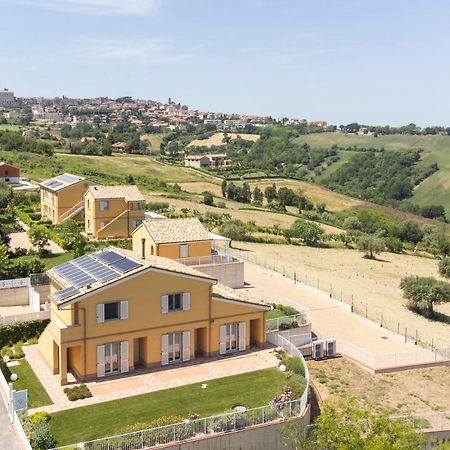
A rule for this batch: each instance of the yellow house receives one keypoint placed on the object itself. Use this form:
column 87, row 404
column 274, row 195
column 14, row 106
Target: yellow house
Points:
column 113, row 211
column 189, row 242
column 112, row 312
column 62, row 197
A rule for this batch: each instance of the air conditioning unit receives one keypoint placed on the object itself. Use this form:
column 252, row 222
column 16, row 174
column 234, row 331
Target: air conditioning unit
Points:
column 330, row 347
column 317, row 349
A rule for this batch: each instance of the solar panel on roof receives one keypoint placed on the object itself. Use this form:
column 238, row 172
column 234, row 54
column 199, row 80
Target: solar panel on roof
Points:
column 53, row 183
column 108, row 257
column 74, row 275
column 125, row 265
column 67, row 178
column 65, row 293
column 95, row 268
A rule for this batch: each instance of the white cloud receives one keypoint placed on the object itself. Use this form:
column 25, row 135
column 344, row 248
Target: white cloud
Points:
column 100, row 7
column 145, row 51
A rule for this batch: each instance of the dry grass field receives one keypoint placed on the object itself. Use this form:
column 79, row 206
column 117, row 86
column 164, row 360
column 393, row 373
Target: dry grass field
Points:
column 217, row 139
column 411, row 391
column 374, row 284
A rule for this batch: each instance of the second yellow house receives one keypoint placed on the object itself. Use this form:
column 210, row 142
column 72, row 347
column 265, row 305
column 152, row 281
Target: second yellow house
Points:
column 113, row 211
column 112, row 312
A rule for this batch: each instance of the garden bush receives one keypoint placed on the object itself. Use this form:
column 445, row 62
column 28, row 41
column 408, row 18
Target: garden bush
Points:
column 6, row 351
column 295, row 364
column 18, row 351
column 39, row 433
column 297, row 384
column 21, row 331
column 78, row 392
column 43, row 416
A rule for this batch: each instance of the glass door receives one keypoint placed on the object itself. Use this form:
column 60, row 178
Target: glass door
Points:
column 174, row 347
column 111, row 358
column 231, row 337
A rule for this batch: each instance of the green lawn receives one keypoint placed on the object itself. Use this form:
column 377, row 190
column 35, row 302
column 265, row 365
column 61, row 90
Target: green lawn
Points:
column 91, row 422
column 51, row 259
column 27, row 379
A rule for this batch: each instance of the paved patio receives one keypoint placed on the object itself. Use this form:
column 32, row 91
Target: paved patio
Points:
column 145, row 381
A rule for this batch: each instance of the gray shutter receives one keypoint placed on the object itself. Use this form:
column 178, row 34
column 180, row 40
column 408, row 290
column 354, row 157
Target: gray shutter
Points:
column 124, row 365
column 100, row 313
column 223, row 340
column 186, row 345
column 165, row 349
column 124, row 309
column 186, row 301
column 242, row 336
column 100, row 360
column 164, row 304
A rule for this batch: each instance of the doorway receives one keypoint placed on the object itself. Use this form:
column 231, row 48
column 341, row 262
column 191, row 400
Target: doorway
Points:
column 112, row 358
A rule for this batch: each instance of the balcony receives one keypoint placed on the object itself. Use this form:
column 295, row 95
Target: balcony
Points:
column 228, row 269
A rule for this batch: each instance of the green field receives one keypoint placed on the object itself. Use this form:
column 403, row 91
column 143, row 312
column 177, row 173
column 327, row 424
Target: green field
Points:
column 104, row 419
column 434, row 190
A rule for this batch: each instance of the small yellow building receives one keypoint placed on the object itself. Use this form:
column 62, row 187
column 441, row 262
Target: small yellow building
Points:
column 112, row 312
column 113, row 211
column 62, row 197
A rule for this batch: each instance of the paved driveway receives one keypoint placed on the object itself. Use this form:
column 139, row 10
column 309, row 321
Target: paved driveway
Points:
column 20, row 239
column 8, row 440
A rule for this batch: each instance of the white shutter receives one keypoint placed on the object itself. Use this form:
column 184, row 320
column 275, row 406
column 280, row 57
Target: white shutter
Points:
column 165, row 349
column 124, row 365
column 186, row 301
column 100, row 360
column 164, row 304
column 223, row 340
column 242, row 338
column 124, row 309
column 100, row 313
column 186, row 345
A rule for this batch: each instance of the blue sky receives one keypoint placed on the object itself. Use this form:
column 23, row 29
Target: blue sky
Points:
column 377, row 61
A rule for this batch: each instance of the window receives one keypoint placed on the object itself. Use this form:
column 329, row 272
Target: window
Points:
column 104, row 205
column 175, row 302
column 184, row 250
column 88, row 204
column 136, row 223
column 174, row 347
column 231, row 342
column 112, row 311
column 135, row 206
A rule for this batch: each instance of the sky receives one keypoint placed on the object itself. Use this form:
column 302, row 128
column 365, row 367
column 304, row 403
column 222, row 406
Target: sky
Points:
column 367, row 61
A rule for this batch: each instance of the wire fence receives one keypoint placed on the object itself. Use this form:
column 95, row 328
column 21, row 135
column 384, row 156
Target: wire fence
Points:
column 286, row 322
column 358, row 306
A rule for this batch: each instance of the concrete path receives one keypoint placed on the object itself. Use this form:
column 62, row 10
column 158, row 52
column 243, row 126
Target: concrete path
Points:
column 8, row 439
column 331, row 318
column 21, row 239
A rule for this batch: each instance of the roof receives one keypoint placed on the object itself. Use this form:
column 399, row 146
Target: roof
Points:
column 2, row 163
column 89, row 273
column 129, row 193
column 222, row 292
column 166, row 231
column 61, row 181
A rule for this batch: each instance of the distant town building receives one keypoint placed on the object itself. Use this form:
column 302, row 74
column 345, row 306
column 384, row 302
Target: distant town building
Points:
column 7, row 99
column 43, row 114
column 9, row 173
column 217, row 160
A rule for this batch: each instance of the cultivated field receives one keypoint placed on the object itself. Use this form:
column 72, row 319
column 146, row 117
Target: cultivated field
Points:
column 153, row 141
column 411, row 391
column 217, row 139
column 435, row 189
column 372, row 284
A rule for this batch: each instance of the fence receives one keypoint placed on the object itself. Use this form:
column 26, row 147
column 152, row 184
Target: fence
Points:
column 39, row 278
column 287, row 321
column 207, row 260
column 15, row 283
column 427, row 421
column 358, row 306
column 39, row 315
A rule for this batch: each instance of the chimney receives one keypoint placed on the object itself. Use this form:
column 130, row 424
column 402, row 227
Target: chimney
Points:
column 143, row 248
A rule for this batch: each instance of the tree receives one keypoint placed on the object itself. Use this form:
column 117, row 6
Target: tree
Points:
column 352, row 223
column 308, row 232
column 208, row 198
column 370, row 245
column 271, row 193
column 6, row 195
column 258, row 195
column 348, row 426
column 444, row 267
column 224, row 188
column 39, row 236
column 423, row 293
column 233, row 229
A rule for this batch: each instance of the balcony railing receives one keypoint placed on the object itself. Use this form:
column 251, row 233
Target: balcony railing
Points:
column 208, row 260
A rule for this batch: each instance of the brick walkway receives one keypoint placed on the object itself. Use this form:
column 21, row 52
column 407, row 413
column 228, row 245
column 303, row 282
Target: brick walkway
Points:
column 142, row 382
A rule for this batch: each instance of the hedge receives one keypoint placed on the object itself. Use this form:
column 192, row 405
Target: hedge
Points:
column 21, row 331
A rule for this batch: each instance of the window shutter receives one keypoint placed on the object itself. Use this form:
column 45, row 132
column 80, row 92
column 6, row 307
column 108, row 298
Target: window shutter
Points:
column 100, row 360
column 124, row 365
column 223, row 340
column 186, row 301
column 164, row 304
column 100, row 313
column 186, row 345
column 242, row 336
column 165, row 349
column 124, row 309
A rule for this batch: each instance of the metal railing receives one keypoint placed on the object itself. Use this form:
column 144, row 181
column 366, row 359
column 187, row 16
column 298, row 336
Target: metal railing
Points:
column 289, row 321
column 191, row 429
column 208, row 260
column 427, row 421
column 39, row 278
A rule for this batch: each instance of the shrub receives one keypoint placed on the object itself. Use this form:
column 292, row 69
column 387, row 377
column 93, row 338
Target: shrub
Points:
column 295, row 365
column 32, row 341
column 284, row 326
column 19, row 251
column 208, row 198
column 6, row 351
column 297, row 384
column 39, row 433
column 157, row 206
column 21, row 331
column 159, row 422
column 18, row 351
column 78, row 392
column 23, row 268
column 42, row 416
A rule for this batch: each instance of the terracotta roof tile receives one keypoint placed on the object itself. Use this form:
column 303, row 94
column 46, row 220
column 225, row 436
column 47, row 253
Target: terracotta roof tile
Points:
column 129, row 193
column 165, row 231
